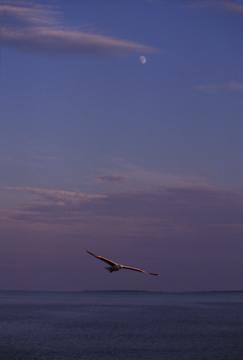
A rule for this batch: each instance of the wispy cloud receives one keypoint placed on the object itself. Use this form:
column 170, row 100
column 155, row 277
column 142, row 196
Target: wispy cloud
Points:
column 197, row 228
column 136, row 177
column 233, row 5
column 228, row 87
column 229, row 5
column 31, row 14
column 56, row 196
column 112, row 178
column 39, row 28
column 173, row 207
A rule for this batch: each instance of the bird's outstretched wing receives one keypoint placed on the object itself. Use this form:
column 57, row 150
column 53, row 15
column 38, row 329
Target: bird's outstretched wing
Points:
column 133, row 268
column 108, row 261
column 138, row 270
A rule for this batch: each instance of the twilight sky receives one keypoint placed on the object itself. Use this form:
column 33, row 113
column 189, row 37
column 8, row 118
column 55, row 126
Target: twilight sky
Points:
column 139, row 161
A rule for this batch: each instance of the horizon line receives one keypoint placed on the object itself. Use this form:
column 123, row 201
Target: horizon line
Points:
column 122, row 290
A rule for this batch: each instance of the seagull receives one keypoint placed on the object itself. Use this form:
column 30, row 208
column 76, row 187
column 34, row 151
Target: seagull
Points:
column 113, row 266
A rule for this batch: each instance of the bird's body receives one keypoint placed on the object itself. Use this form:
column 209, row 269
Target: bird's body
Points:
column 113, row 266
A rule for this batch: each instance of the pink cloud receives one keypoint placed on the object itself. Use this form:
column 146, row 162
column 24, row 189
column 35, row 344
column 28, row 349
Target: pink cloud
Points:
column 58, row 197
column 42, row 31
column 170, row 207
column 184, row 230
column 112, row 178
column 232, row 5
column 230, row 86
column 229, row 5
column 31, row 14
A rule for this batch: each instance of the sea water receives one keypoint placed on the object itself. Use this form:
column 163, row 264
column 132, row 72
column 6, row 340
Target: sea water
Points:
column 121, row 325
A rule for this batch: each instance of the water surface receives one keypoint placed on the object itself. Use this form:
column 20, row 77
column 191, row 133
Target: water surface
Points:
column 121, row 325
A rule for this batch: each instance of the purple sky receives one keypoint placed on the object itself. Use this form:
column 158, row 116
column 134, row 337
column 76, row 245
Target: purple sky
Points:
column 137, row 161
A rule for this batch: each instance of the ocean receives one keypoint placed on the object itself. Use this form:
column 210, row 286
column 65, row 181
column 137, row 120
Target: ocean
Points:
column 121, row 326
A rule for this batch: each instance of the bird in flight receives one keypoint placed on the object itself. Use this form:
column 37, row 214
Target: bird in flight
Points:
column 113, row 266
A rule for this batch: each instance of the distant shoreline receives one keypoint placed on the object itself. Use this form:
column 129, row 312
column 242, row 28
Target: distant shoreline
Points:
column 148, row 292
